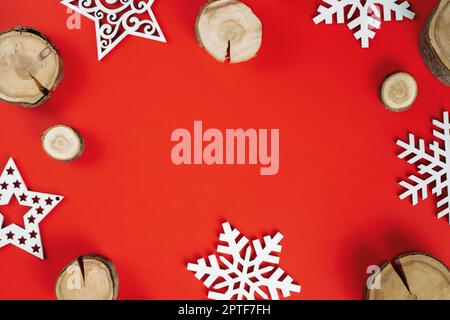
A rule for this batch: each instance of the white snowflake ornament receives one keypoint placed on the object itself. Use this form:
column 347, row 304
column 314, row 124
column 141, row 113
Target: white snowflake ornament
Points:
column 242, row 270
column 27, row 238
column 363, row 16
column 433, row 165
column 116, row 19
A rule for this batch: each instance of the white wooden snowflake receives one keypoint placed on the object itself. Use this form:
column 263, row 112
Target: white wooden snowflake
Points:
column 242, row 270
column 433, row 164
column 27, row 238
column 116, row 19
column 363, row 16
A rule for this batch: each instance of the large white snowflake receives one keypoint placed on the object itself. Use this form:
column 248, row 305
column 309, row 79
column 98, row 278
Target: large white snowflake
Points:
column 433, row 166
column 241, row 270
column 363, row 16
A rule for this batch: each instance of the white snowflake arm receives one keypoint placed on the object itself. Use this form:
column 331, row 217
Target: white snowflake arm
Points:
column 444, row 135
column 368, row 17
column 265, row 255
column 444, row 126
column 286, row 286
column 401, row 10
column 364, row 21
column 419, row 153
column 213, row 270
column 232, row 247
column 271, row 245
column 336, row 7
column 366, row 24
column 433, row 166
column 445, row 204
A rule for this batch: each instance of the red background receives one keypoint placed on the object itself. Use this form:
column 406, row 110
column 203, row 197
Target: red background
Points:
column 335, row 198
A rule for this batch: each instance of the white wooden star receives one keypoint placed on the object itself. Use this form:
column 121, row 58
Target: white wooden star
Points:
column 116, row 19
column 27, row 238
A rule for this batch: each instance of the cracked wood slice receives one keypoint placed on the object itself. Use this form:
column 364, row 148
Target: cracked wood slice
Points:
column 90, row 277
column 399, row 91
column 414, row 276
column 229, row 31
column 435, row 42
column 30, row 67
column 62, row 143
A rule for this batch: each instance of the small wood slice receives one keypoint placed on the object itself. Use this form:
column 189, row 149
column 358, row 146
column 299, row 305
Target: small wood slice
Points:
column 229, row 31
column 30, row 67
column 62, row 143
column 90, row 277
column 435, row 42
column 413, row 276
column 399, row 91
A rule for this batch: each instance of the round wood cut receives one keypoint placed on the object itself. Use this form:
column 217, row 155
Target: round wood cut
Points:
column 62, row 143
column 30, row 67
column 413, row 276
column 435, row 42
column 90, row 277
column 229, row 31
column 399, row 91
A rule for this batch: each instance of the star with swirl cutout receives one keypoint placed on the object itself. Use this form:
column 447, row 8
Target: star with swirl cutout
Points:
column 27, row 238
column 116, row 19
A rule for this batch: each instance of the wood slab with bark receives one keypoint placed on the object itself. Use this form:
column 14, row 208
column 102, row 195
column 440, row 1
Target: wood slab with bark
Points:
column 30, row 67
column 91, row 277
column 229, row 31
column 435, row 42
column 413, row 276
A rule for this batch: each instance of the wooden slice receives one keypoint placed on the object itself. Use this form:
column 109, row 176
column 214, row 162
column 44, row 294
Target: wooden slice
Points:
column 435, row 42
column 30, row 67
column 229, row 31
column 90, row 277
column 414, row 276
column 399, row 91
column 62, row 143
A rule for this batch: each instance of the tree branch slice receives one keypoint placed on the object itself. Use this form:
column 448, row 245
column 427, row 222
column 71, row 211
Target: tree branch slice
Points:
column 399, row 91
column 416, row 276
column 30, row 67
column 435, row 42
column 91, row 277
column 63, row 143
column 229, row 31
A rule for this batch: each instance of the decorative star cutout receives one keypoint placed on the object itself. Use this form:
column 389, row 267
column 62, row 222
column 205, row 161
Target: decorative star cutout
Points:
column 116, row 19
column 27, row 238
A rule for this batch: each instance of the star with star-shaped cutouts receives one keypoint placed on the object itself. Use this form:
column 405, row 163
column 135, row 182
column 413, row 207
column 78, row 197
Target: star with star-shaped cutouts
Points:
column 40, row 204
column 116, row 19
